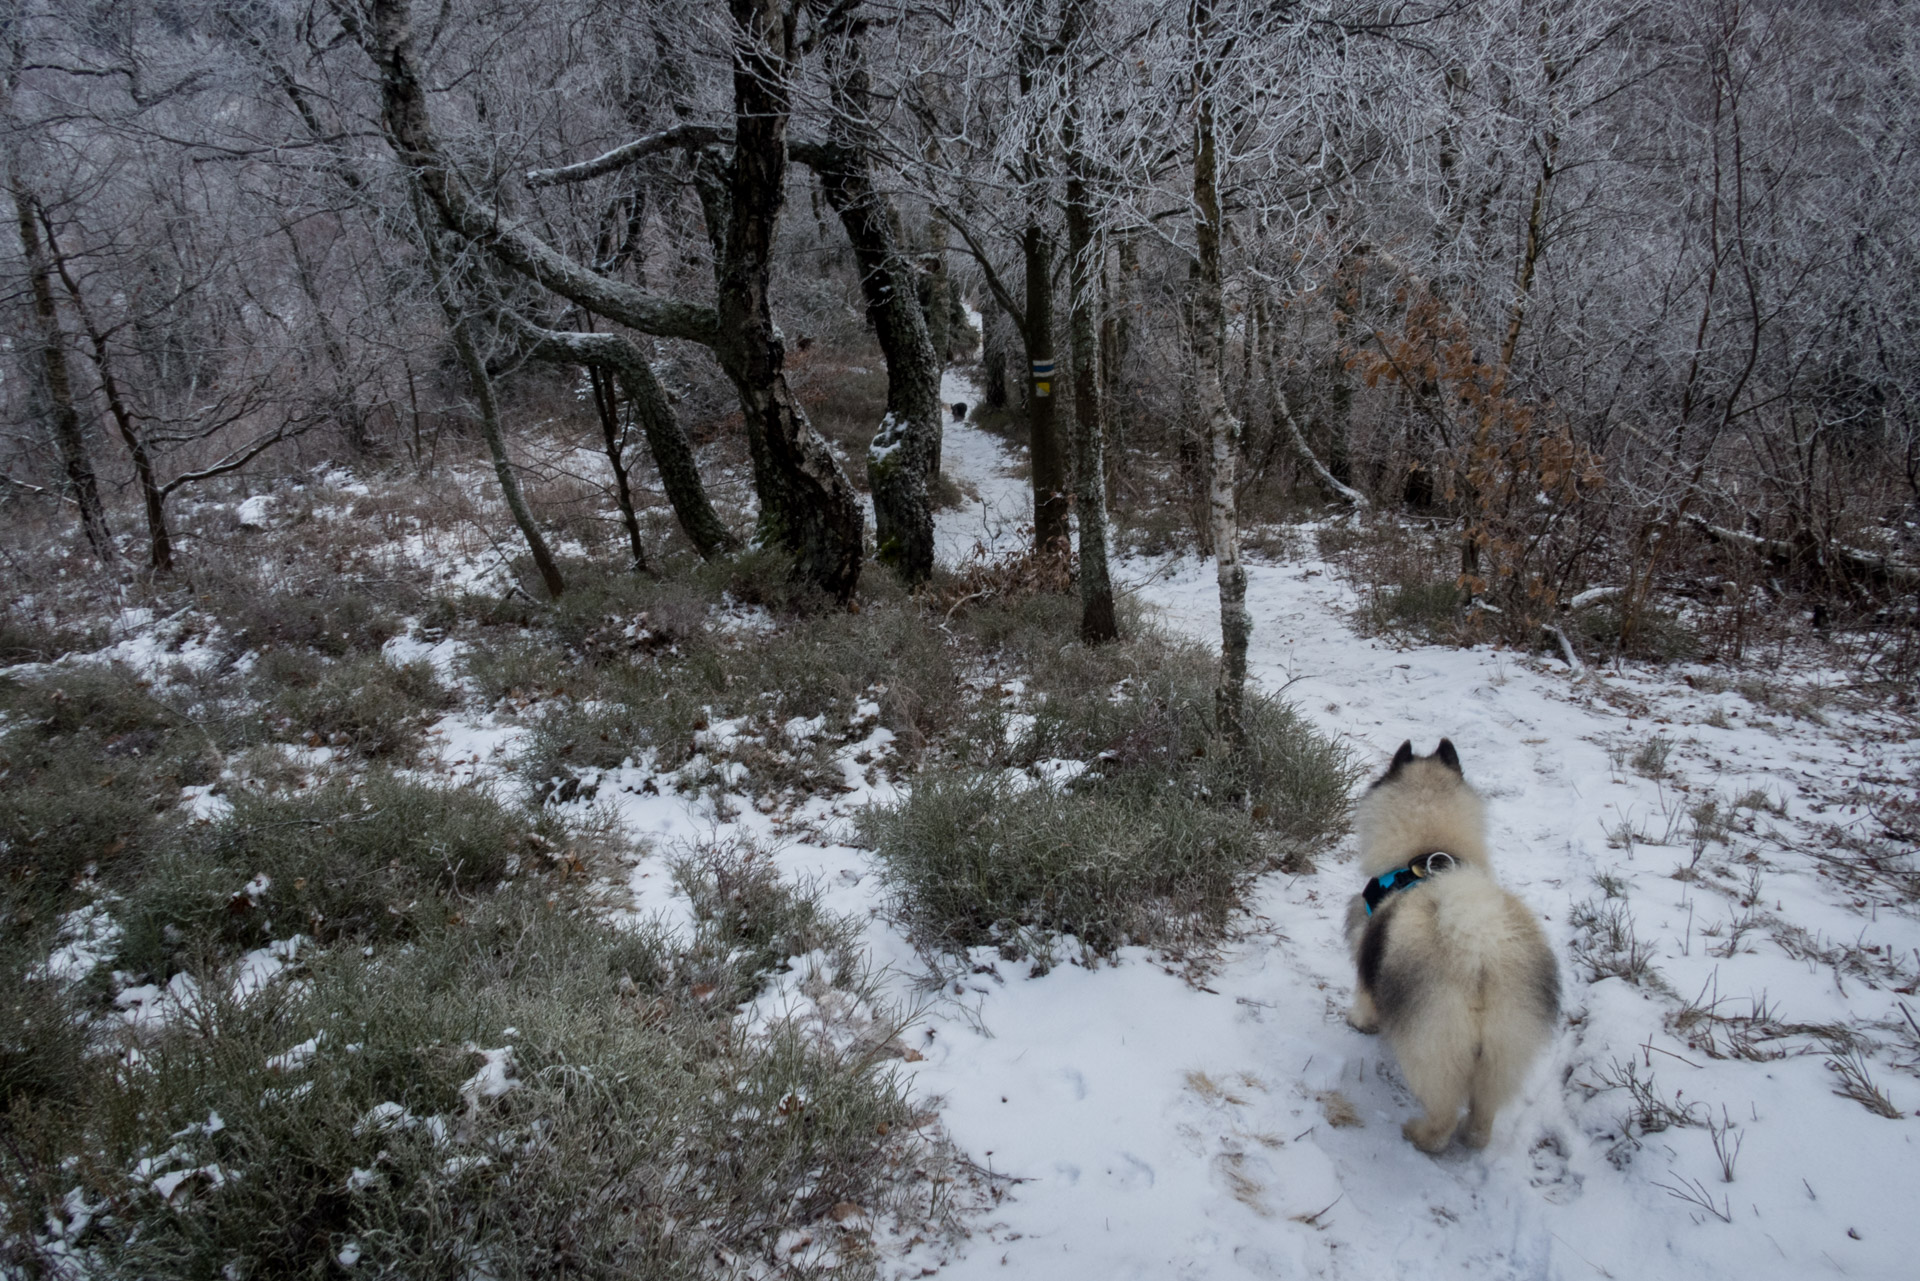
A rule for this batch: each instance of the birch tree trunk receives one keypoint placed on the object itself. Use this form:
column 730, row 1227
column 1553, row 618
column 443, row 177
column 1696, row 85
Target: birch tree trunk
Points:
column 1209, row 338
column 1097, row 623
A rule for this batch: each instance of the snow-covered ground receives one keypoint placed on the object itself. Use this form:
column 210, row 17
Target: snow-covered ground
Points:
column 1147, row 1124
column 1146, row 1119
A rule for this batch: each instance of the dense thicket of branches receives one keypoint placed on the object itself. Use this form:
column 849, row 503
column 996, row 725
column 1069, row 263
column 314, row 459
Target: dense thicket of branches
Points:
column 1589, row 281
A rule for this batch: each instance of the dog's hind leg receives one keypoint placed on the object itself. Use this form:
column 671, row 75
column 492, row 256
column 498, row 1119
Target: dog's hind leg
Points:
column 1497, row 1071
column 1484, row 1098
column 1432, row 1132
column 1437, row 1053
column 1363, row 1017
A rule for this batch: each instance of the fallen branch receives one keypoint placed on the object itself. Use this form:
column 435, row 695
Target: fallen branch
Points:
column 1283, row 415
column 1566, row 648
column 1870, row 564
column 1594, row 596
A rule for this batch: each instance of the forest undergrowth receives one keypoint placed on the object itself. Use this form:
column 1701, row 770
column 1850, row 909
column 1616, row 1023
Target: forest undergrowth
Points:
column 286, row 993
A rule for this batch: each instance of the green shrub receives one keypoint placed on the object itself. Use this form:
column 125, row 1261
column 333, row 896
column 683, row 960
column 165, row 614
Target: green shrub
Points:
column 336, row 618
column 28, row 635
column 1424, row 609
column 91, row 767
column 1150, row 842
column 384, row 857
column 750, row 921
column 519, row 667
column 368, row 706
column 1660, row 634
column 978, row 860
column 42, row 1033
column 634, row 1134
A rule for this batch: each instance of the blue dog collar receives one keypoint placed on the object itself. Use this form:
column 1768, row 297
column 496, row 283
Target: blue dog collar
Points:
column 1429, row 864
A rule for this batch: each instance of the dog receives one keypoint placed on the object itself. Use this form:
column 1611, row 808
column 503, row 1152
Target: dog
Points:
column 1454, row 970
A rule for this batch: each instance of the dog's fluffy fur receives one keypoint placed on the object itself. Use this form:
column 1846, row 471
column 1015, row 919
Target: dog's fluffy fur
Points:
column 1454, row 970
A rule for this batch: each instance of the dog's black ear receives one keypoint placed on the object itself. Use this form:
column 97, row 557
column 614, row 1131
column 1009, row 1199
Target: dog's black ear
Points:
column 1401, row 758
column 1448, row 757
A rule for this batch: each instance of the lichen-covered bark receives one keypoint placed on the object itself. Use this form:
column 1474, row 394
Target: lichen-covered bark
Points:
column 905, row 452
column 806, row 503
column 1097, row 622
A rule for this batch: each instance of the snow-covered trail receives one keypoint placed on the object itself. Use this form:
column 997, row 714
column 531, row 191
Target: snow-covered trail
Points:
column 994, row 519
column 1241, row 1128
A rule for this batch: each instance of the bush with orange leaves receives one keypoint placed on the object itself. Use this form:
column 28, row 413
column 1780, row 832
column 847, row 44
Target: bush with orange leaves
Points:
column 1506, row 465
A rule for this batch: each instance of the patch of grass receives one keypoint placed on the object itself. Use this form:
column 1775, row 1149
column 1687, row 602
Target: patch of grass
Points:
column 380, row 858
column 1855, row 1078
column 1608, row 945
column 43, row 1032
column 335, row 618
column 367, row 706
column 520, row 668
column 1142, row 827
column 91, row 767
column 1660, row 635
column 977, row 860
column 1649, row 760
column 1425, row 609
column 529, row 1094
column 750, row 922
column 28, row 635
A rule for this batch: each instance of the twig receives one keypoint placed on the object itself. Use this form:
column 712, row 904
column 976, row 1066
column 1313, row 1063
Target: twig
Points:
column 1694, row 1192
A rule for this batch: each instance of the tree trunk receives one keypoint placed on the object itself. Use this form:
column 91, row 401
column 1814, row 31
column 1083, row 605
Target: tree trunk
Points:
column 1116, row 345
column 153, row 498
column 806, row 503
column 1097, row 622
column 1192, row 446
column 904, row 454
column 666, row 439
column 606, row 402
column 1046, row 451
column 497, row 446
column 346, row 400
column 1209, row 339
column 64, row 419
column 489, row 406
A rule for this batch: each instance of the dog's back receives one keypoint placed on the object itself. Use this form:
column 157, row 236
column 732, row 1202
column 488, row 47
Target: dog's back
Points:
column 1454, row 970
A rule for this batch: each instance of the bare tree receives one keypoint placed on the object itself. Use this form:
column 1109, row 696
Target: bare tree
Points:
column 1209, row 339
column 905, row 452
column 1097, row 622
